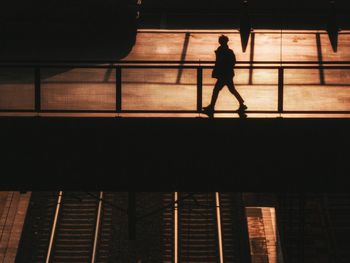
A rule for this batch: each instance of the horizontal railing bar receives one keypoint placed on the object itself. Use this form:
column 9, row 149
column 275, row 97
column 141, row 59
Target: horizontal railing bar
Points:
column 177, row 111
column 314, row 67
column 176, row 67
column 57, row 111
column 205, row 85
column 237, row 67
column 315, row 112
column 159, row 111
column 235, row 111
column 78, row 111
column 120, row 62
column 237, row 62
column 13, row 110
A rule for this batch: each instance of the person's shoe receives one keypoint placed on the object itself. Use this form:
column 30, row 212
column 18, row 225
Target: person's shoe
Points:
column 242, row 107
column 208, row 110
column 242, row 115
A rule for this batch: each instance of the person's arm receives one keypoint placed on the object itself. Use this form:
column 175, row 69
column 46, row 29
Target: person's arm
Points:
column 214, row 72
column 216, row 56
column 233, row 58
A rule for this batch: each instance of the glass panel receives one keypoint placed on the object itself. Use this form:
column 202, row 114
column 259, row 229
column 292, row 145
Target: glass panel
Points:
column 159, row 89
column 257, row 87
column 317, row 90
column 267, row 46
column 17, row 89
column 78, row 89
column 182, row 45
column 342, row 53
column 202, row 46
column 156, row 46
column 299, row 46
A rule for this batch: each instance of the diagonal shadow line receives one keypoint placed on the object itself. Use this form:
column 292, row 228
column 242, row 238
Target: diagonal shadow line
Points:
column 183, row 56
column 107, row 74
column 251, row 58
column 320, row 57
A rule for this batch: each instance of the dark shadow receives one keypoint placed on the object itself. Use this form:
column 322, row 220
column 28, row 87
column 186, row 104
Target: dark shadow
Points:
column 183, row 55
column 26, row 74
column 332, row 27
column 66, row 31
column 108, row 74
column 251, row 58
column 244, row 25
column 320, row 57
column 333, row 37
column 224, row 14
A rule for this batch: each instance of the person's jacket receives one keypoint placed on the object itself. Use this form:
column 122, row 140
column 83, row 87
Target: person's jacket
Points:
column 224, row 63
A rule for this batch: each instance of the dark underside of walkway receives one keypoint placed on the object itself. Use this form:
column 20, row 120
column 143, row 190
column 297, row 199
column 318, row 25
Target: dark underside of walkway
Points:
column 67, row 30
column 276, row 14
column 166, row 154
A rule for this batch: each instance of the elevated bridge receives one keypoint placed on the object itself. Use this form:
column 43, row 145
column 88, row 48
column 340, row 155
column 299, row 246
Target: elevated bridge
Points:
column 164, row 79
column 168, row 74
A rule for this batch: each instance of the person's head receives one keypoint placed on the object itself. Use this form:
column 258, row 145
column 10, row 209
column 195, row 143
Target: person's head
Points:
column 223, row 40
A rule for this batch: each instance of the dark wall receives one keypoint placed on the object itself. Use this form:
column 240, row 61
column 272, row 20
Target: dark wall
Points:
column 67, row 30
column 167, row 154
column 274, row 14
column 223, row 5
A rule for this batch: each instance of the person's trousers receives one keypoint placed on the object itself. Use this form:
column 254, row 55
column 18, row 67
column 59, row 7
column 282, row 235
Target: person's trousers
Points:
column 220, row 83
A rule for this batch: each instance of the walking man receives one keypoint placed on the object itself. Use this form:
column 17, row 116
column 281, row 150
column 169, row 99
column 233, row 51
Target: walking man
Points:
column 223, row 71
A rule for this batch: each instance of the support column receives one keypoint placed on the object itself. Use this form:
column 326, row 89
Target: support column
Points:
column 280, row 89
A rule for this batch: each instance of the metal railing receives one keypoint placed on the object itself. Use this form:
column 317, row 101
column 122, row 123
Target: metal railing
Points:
column 53, row 229
column 97, row 229
column 118, row 66
column 95, row 238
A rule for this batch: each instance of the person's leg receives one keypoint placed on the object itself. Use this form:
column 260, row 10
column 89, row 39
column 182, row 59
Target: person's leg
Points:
column 235, row 93
column 218, row 86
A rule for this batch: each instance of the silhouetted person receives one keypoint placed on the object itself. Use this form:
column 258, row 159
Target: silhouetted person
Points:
column 223, row 71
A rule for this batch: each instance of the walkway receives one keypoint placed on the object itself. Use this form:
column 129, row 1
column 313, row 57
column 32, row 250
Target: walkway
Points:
column 175, row 89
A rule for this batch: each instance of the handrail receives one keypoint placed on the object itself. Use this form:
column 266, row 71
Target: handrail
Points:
column 176, row 228
column 70, row 66
column 219, row 227
column 199, row 83
column 54, row 225
column 97, row 229
column 4, row 63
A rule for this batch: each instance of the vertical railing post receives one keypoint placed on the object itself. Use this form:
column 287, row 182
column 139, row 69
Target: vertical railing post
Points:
column 199, row 88
column 37, row 88
column 118, row 87
column 280, row 89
